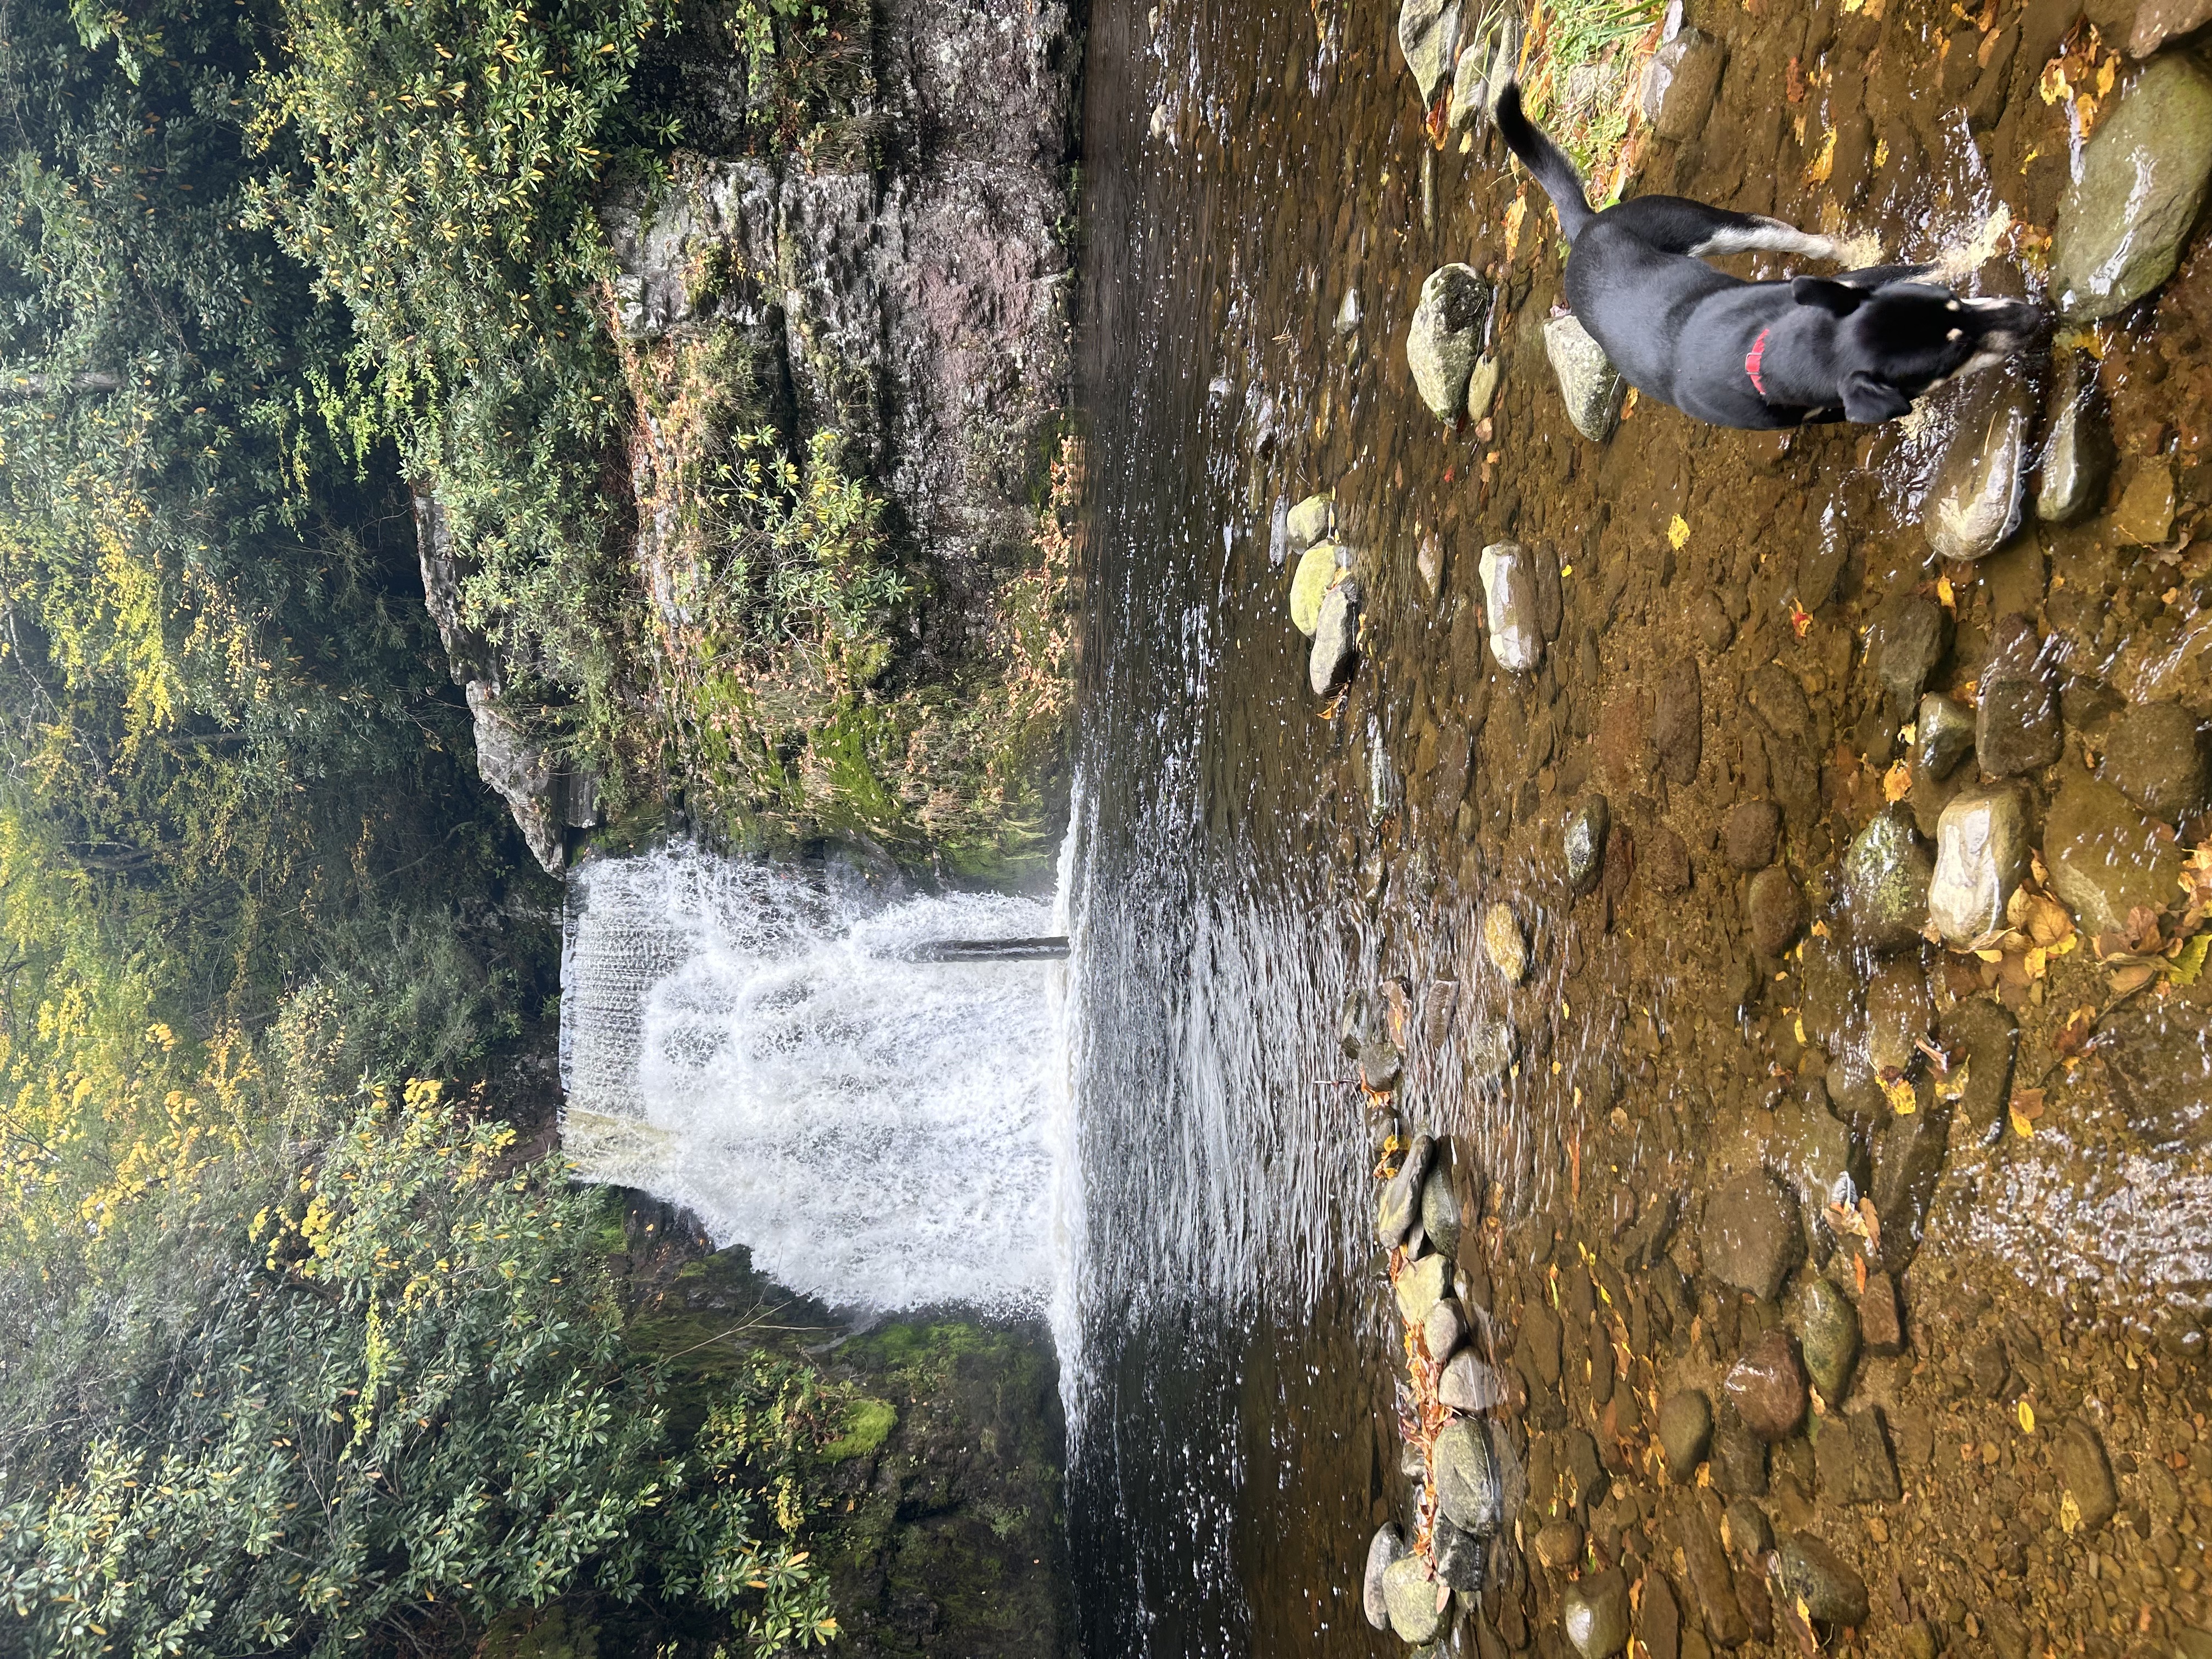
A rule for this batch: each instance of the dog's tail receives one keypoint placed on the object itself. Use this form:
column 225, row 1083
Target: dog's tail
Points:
column 1547, row 161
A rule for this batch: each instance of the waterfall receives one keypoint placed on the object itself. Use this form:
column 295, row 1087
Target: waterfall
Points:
column 763, row 1045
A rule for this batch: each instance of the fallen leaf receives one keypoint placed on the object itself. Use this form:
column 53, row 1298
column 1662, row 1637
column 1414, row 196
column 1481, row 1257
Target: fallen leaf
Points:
column 1946, row 595
column 2075, row 1038
column 1902, row 1100
column 1678, row 532
column 2131, row 977
column 1514, row 215
column 1897, row 782
column 2026, row 1418
column 2022, row 1126
column 1801, row 619
column 2189, row 964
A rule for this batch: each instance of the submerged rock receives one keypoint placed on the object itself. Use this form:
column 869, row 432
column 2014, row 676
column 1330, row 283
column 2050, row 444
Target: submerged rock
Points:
column 2016, row 728
column 1428, row 33
column 1466, row 1474
column 1905, row 638
column 1584, row 834
column 1775, row 909
column 1508, row 588
column 1981, row 855
column 2077, row 450
column 1336, row 651
column 1409, row 1591
column 1750, row 833
column 1421, row 1286
column 2086, row 1474
column 1469, row 1385
column 1885, row 876
column 1502, row 943
column 2124, row 221
column 1589, row 384
column 1459, row 1556
column 1831, row 1338
column 1984, row 1037
column 1685, row 1430
column 2144, row 515
column 1899, row 1014
column 1482, row 387
column 1559, row 1544
column 1384, row 1550
column 1829, row 1586
column 1490, row 1049
column 1943, row 735
column 1594, row 1611
column 2106, row 859
column 1678, row 84
column 1400, row 1205
column 1767, row 1387
column 2154, row 756
column 1317, row 568
column 1751, row 1238
column 1974, row 505
column 1445, row 336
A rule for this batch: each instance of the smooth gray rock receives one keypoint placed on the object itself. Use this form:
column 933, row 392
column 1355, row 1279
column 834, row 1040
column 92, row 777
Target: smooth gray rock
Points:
column 1440, row 1216
column 2077, row 450
column 2017, row 728
column 1974, row 505
column 1594, row 1611
column 1589, row 384
column 1486, row 64
column 2154, row 756
column 1466, row 1473
column 1469, row 1385
column 1459, row 1556
column 1445, row 337
column 1335, row 651
column 1387, row 1547
column 1678, row 84
column 2106, row 859
column 1585, row 831
column 1421, row 1286
column 1409, row 1591
column 1943, row 735
column 1400, row 1205
column 1830, row 1334
column 1312, row 520
column 1885, row 876
column 1906, row 637
column 1908, row 1163
column 1509, row 590
column 1898, row 1012
column 1428, row 33
column 1444, row 1329
column 1750, row 1236
column 2123, row 222
column 1981, row 856
column 1774, row 908
column 1482, row 387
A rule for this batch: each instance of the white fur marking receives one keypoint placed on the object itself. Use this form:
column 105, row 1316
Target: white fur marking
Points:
column 1956, row 333
column 1767, row 236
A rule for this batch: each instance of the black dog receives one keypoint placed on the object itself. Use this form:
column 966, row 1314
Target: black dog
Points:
column 1859, row 347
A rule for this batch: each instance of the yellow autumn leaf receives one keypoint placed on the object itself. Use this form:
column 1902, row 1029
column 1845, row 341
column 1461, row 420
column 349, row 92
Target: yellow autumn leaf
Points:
column 2026, row 1418
column 2020, row 1126
column 1823, row 164
column 2190, row 964
column 1897, row 782
column 1951, row 1085
column 1902, row 1100
column 1514, row 215
column 1678, row 532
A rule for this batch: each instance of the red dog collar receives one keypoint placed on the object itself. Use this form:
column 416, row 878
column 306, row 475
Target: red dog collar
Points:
column 1752, row 358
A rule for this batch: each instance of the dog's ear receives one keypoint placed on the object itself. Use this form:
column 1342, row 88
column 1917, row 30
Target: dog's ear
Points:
column 1869, row 401
column 1837, row 299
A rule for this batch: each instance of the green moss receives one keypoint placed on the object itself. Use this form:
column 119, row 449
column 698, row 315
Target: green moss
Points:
column 868, row 1423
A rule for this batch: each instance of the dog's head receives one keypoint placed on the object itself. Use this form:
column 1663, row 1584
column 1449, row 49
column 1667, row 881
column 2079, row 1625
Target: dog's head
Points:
column 1900, row 340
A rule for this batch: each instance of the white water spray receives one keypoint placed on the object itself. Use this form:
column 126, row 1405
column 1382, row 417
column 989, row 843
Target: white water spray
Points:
column 883, row 1133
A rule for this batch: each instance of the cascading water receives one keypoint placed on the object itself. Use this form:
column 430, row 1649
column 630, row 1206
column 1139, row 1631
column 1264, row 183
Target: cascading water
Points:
column 764, row 1046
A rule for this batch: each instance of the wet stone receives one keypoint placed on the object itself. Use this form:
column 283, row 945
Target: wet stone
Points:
column 1508, row 587
column 1739, row 1458
column 1875, row 1464
column 1485, row 65
column 1983, row 1036
column 1466, row 1475
column 1488, row 1048
column 2160, row 1066
column 1502, row 943
column 2017, row 728
column 1386, row 1548
column 2106, row 859
column 1380, row 1062
column 1882, row 1321
column 1584, row 835
column 1775, row 911
column 1908, row 1162
column 1421, row 1286
column 1831, row 1338
column 1659, row 1620
column 1410, row 1593
column 1981, row 856
column 1316, row 570
column 2154, row 756
column 1974, row 504
column 1459, row 1556
column 1751, row 1238
column 1907, row 637
column 1444, row 1329
column 1446, row 336
column 1678, row 723
column 1900, row 1013
column 1685, row 1430
column 1678, row 83
column 1767, row 1387
column 2086, row 1474
column 1594, row 1611
column 1591, row 388
column 1710, row 617
column 1400, row 1205
column 1712, row 1583
column 2077, row 452
column 1312, row 520
column 1428, row 33
column 1559, row 1544
column 1943, row 735
column 1482, row 387
column 1750, row 834
column 1469, row 1385
column 1336, row 651
column 1749, row 1533
column 1885, row 876
column 2123, row 220
column 1829, row 1586
column 1810, row 1150
column 1440, row 1213
column 2144, row 516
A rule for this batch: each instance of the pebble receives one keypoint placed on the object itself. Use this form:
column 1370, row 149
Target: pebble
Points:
column 1750, row 833
column 1466, row 1475
column 1678, row 83
column 1974, row 506
column 1502, row 943
column 2077, row 450
column 2086, row 1474
column 2144, row 516
column 1594, row 1611
column 1444, row 1329
column 2125, row 217
column 1336, row 640
column 1885, row 876
column 2105, row 858
column 1767, row 1387
column 1775, row 909
column 1508, row 588
column 1559, row 1544
column 1386, row 1548
column 1316, row 569
column 1686, row 1431
column 1470, row 1385
column 1830, row 1333
column 1429, row 563
column 1712, row 1583
column 1584, row 835
column 1750, row 1535
column 1943, row 735
column 2154, row 756
column 1981, row 857
column 1400, row 1205
column 1440, row 1216
column 1445, row 336
column 1751, row 1238
column 1482, row 387
column 1907, row 637
column 1589, row 384
column 2016, row 728
column 1829, row 1586
column 1421, row 1286
column 1901, row 1014
column 1409, row 1591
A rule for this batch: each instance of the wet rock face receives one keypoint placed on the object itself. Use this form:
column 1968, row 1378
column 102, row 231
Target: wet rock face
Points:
column 1975, row 504
column 1446, row 336
column 1750, row 1236
column 1509, row 602
column 1907, row 638
column 2144, row 514
column 1590, row 386
column 2154, row 756
column 1886, row 876
column 2121, row 223
column 1678, row 83
column 2106, row 859
column 1981, row 857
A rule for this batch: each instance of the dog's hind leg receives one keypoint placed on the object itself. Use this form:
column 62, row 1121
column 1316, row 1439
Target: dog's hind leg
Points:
column 1674, row 224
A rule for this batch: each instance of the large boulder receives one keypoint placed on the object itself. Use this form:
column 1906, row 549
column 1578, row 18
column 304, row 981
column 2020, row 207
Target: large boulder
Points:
column 1428, row 33
column 1446, row 337
column 2122, row 221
